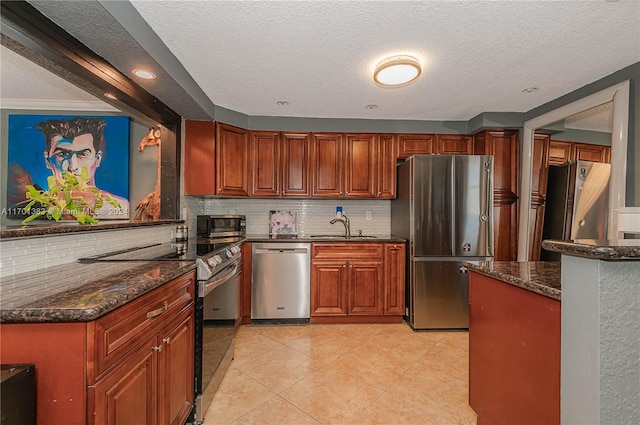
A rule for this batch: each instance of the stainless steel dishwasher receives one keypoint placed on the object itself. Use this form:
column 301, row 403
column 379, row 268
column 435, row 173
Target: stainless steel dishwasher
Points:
column 281, row 282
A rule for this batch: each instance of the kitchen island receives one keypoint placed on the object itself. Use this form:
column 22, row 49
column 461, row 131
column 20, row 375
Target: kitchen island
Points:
column 600, row 330
column 514, row 342
column 111, row 342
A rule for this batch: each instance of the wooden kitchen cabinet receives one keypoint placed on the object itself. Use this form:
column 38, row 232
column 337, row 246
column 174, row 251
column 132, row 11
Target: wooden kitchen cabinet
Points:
column 327, row 167
column 503, row 145
column 279, row 164
column 199, row 158
column 122, row 368
column 454, row 144
column 561, row 152
column 386, row 165
column 410, row 144
column 539, row 174
column 360, row 165
column 232, row 160
column 394, row 278
column 349, row 283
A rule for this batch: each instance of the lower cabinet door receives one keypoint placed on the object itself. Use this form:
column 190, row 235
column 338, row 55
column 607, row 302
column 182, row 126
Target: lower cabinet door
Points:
column 176, row 389
column 128, row 394
column 365, row 288
column 328, row 289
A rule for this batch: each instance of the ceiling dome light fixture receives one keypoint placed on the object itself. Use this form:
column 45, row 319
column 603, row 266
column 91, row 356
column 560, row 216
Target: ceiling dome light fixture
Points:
column 397, row 71
column 147, row 75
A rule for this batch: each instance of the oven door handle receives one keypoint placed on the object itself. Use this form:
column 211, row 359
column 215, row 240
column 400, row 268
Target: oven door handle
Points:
column 214, row 282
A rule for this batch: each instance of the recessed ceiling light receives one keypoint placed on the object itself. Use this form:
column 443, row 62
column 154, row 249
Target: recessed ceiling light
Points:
column 282, row 102
column 371, row 106
column 110, row 96
column 397, row 71
column 530, row 90
column 147, row 75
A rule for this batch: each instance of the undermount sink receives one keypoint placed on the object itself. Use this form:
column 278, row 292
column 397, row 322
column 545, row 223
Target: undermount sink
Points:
column 342, row 237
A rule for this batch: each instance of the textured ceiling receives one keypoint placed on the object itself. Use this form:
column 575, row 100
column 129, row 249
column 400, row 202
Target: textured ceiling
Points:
column 478, row 56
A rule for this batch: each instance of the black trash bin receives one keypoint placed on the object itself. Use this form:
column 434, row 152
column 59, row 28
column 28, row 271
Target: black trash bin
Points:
column 18, row 394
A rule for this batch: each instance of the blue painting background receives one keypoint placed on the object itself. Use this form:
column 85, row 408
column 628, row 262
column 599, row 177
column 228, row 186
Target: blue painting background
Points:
column 27, row 146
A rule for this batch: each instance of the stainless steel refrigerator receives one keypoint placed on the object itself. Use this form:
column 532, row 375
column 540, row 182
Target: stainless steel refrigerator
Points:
column 577, row 203
column 444, row 208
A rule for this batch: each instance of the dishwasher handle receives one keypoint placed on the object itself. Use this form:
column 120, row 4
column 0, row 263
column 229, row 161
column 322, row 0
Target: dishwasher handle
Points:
column 281, row 251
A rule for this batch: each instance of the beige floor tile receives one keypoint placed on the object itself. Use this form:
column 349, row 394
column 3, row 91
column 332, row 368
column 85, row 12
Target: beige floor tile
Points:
column 331, row 397
column 238, row 394
column 449, row 359
column 276, row 369
column 276, row 411
column 388, row 410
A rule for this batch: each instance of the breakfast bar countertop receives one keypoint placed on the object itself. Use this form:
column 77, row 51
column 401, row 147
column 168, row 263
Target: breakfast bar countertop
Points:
column 542, row 277
column 622, row 249
column 78, row 292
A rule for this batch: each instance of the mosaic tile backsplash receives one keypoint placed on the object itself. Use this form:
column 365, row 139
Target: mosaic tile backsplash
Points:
column 313, row 215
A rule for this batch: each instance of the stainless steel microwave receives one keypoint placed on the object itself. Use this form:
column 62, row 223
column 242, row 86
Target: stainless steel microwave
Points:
column 217, row 226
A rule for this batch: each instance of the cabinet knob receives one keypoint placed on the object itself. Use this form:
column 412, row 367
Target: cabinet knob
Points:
column 166, row 340
column 157, row 348
column 344, row 266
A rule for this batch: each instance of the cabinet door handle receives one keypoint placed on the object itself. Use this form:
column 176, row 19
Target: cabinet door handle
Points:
column 157, row 348
column 166, row 340
column 344, row 266
column 158, row 311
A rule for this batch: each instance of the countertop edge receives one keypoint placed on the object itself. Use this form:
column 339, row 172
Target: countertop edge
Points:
column 510, row 278
column 595, row 249
column 66, row 228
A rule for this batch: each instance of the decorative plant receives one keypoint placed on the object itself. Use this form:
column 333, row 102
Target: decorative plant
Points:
column 67, row 198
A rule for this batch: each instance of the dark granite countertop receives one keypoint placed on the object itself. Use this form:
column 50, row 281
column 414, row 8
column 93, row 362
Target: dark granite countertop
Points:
column 622, row 249
column 59, row 228
column 77, row 292
column 542, row 277
column 327, row 238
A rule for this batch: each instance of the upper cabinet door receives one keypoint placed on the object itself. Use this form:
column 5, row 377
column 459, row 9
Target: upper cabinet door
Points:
column 409, row 144
column 386, row 164
column 265, row 163
column 296, row 155
column 560, row 152
column 199, row 158
column 360, row 153
column 593, row 153
column 327, row 165
column 232, row 160
column 454, row 144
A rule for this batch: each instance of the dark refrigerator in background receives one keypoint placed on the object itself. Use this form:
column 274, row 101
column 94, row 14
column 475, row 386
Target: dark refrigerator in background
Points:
column 444, row 208
column 577, row 203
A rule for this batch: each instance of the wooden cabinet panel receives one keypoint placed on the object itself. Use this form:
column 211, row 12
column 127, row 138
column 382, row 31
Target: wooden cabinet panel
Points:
column 454, row 144
column 199, row 158
column 296, row 160
column 329, row 289
column 327, row 166
column 593, row 153
column 129, row 394
column 560, row 152
column 386, row 166
column 176, row 376
column 394, row 278
column 514, row 335
column 360, row 155
column 503, row 145
column 409, row 144
column 265, row 163
column 232, row 160
column 346, row 251
column 365, row 295
column 539, row 174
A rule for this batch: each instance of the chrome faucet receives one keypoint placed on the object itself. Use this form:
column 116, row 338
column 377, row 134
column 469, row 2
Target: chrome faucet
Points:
column 344, row 220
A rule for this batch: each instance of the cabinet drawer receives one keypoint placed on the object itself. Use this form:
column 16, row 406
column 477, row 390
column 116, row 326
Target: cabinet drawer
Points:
column 124, row 329
column 346, row 251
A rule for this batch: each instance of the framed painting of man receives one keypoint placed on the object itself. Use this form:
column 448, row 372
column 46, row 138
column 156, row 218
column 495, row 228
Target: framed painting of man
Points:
column 40, row 146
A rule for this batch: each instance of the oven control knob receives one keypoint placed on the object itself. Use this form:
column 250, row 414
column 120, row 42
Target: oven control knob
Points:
column 229, row 254
column 218, row 259
column 235, row 249
column 212, row 261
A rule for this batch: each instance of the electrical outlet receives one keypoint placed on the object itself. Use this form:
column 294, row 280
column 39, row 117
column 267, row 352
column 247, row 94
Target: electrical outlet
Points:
column 367, row 215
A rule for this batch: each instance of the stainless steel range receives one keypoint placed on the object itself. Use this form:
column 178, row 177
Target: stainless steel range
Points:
column 218, row 308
